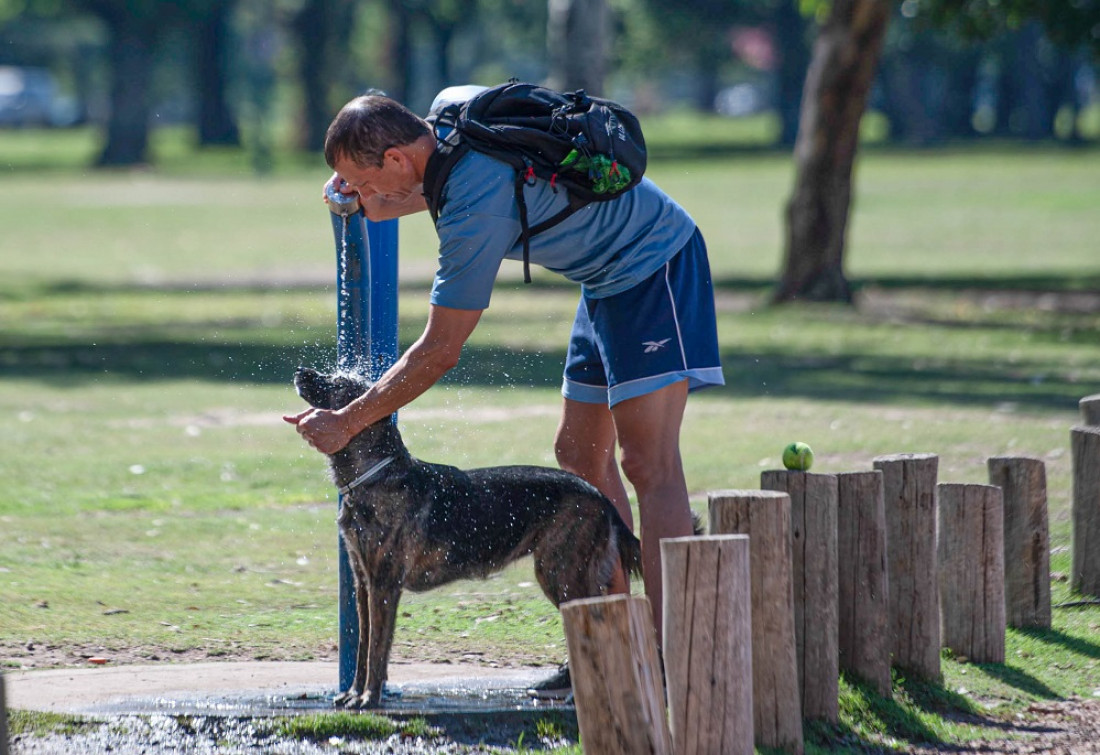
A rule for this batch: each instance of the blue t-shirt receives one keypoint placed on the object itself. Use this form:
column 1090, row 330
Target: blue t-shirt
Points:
column 607, row 247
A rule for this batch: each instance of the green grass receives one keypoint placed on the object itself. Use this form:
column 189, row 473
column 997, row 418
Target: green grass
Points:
column 35, row 723
column 320, row 727
column 155, row 503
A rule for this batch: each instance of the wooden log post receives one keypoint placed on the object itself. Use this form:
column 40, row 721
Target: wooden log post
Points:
column 3, row 719
column 971, row 555
column 863, row 582
column 708, row 643
column 1086, row 510
column 1023, row 484
column 765, row 516
column 616, row 675
column 814, row 576
column 909, row 501
column 1090, row 410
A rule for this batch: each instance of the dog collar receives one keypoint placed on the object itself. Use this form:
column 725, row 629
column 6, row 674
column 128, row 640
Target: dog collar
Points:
column 367, row 476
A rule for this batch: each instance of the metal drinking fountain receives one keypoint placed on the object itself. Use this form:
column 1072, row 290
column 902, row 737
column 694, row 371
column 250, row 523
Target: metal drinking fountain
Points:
column 366, row 342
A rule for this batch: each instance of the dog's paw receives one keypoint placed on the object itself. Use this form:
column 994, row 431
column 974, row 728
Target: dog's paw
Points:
column 345, row 699
column 351, row 700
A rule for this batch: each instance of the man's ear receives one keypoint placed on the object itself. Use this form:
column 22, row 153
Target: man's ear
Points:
column 396, row 157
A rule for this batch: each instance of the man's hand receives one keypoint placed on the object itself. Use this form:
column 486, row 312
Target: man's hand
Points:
column 339, row 185
column 324, row 430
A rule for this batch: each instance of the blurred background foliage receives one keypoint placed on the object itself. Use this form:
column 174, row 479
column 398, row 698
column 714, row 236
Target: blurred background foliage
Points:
column 817, row 78
column 267, row 75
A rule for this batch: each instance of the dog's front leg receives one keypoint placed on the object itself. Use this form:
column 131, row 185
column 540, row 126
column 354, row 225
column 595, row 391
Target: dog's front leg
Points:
column 353, row 697
column 385, row 592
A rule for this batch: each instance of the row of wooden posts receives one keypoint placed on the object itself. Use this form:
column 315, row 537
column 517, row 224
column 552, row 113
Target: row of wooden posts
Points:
column 817, row 573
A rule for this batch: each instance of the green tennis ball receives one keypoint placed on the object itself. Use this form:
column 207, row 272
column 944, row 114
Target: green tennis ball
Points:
column 798, row 456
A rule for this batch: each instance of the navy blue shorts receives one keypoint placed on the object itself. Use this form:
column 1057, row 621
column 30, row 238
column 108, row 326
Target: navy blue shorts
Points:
column 658, row 333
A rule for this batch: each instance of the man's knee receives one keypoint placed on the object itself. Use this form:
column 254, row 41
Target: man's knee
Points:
column 651, row 468
column 567, row 455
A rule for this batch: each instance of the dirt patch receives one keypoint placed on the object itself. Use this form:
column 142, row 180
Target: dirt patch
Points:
column 1065, row 727
column 35, row 655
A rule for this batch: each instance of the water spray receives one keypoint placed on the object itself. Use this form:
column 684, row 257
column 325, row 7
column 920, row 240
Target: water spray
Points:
column 366, row 342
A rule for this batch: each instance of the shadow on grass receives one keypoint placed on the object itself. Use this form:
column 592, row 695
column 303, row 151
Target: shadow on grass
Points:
column 1088, row 282
column 1019, row 679
column 856, row 377
column 249, row 351
column 1058, row 637
column 899, row 719
column 905, row 716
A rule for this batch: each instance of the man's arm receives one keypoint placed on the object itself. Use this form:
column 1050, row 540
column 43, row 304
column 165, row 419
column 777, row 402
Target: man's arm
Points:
column 377, row 208
column 419, row 368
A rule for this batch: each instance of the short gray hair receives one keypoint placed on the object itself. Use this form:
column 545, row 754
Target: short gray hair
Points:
column 369, row 125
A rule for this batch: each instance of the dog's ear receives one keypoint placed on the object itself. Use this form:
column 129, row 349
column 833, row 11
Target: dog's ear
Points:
column 314, row 388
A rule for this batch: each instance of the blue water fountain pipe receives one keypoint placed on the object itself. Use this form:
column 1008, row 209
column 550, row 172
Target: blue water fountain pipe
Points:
column 366, row 341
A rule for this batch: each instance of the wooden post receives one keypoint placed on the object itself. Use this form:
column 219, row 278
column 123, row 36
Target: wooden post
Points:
column 1090, row 410
column 1023, row 484
column 765, row 516
column 863, row 590
column 814, row 574
column 909, row 501
column 616, row 675
column 971, row 550
column 708, row 643
column 3, row 719
column 1086, row 510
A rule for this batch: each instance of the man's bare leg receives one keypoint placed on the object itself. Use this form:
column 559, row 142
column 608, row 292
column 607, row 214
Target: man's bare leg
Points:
column 648, row 432
column 585, row 446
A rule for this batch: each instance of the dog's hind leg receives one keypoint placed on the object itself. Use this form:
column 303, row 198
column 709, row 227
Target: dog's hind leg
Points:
column 575, row 558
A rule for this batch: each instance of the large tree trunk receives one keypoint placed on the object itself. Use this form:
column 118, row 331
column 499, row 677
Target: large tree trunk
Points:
column 576, row 38
column 845, row 57
column 323, row 28
column 217, row 124
column 402, row 51
column 794, row 58
column 132, row 41
column 311, row 30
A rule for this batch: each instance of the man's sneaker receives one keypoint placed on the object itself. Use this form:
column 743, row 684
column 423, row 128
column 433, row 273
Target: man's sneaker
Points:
column 557, row 687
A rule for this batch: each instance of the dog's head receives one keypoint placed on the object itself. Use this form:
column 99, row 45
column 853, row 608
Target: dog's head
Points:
column 328, row 391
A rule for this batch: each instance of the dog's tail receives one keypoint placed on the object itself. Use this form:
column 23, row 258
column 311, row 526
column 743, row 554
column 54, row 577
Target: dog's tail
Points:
column 629, row 547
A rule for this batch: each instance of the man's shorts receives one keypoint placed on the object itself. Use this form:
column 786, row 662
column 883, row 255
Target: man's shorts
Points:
column 658, row 333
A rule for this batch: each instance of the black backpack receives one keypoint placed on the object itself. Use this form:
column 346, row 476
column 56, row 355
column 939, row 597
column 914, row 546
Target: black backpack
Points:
column 591, row 147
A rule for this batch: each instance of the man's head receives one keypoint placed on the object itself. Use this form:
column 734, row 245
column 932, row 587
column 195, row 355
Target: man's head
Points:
column 376, row 146
column 368, row 126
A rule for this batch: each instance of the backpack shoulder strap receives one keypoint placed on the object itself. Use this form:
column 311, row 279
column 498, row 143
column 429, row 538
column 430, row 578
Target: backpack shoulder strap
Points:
column 438, row 169
column 449, row 149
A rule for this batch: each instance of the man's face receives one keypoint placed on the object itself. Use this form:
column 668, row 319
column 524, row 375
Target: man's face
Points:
column 392, row 181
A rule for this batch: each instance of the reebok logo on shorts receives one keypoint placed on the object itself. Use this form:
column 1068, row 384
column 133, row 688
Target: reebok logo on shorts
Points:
column 652, row 346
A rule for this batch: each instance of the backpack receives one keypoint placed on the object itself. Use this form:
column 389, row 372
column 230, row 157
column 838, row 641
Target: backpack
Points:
column 591, row 147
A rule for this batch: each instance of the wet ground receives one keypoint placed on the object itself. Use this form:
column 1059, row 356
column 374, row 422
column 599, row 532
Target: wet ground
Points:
column 230, row 707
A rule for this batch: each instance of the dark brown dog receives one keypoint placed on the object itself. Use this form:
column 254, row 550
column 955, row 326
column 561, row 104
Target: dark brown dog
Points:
column 409, row 524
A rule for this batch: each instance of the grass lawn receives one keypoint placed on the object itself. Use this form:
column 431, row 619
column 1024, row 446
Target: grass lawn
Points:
column 155, row 505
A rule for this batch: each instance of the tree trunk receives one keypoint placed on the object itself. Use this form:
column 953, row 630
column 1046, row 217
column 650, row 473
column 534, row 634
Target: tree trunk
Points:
column 402, row 51
column 323, row 28
column 132, row 41
column 845, row 56
column 217, row 123
column 794, row 58
column 576, row 38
